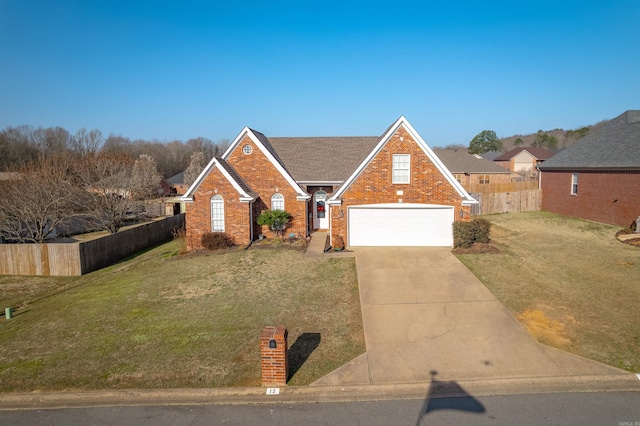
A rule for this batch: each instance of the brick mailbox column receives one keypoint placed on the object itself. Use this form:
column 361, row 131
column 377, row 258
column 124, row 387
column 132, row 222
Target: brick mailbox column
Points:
column 273, row 355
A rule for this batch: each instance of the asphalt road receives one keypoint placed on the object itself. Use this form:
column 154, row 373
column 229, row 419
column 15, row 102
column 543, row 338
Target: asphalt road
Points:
column 598, row 408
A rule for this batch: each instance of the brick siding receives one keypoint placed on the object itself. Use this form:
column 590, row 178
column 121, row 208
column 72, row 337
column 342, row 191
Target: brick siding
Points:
column 264, row 179
column 374, row 185
column 198, row 213
column 603, row 196
column 274, row 362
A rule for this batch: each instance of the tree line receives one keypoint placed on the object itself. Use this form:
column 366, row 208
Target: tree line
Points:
column 487, row 140
column 24, row 144
column 61, row 183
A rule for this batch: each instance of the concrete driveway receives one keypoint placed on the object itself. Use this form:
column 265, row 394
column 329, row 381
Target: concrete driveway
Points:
column 426, row 314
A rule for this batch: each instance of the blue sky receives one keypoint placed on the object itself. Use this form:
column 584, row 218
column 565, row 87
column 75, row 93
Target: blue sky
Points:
column 180, row 69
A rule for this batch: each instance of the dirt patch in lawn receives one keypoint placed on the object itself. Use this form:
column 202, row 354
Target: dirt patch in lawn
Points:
column 545, row 329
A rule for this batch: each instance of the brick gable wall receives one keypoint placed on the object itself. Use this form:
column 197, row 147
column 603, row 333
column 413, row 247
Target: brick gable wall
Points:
column 374, row 185
column 198, row 212
column 603, row 196
column 263, row 178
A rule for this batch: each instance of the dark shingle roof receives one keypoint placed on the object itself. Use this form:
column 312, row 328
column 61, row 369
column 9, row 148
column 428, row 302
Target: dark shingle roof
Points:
column 176, row 179
column 491, row 155
column 460, row 161
column 323, row 159
column 536, row 151
column 267, row 144
column 235, row 176
column 615, row 145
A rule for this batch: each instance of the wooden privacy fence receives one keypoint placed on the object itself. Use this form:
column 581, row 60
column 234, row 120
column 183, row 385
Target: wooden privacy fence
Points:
column 506, row 202
column 502, row 187
column 77, row 258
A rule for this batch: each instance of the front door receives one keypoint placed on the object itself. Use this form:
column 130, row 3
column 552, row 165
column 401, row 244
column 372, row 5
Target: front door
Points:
column 320, row 211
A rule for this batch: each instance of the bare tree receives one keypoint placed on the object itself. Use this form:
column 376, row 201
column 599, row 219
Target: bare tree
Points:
column 40, row 200
column 86, row 143
column 196, row 166
column 145, row 179
column 116, row 187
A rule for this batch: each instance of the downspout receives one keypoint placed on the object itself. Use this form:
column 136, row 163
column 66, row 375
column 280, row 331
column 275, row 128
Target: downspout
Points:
column 330, row 226
column 250, row 224
column 539, row 177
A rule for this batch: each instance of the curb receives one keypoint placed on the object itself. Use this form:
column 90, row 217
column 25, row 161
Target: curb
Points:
column 316, row 394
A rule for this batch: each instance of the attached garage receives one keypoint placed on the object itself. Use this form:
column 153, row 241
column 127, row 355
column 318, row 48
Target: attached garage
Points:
column 400, row 225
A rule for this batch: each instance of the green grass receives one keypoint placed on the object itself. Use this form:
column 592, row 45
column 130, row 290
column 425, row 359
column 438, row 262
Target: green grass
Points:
column 573, row 271
column 159, row 320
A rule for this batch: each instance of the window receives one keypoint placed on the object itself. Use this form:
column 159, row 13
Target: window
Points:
column 482, row 179
column 217, row 214
column 574, row 184
column 458, row 177
column 247, row 149
column 277, row 202
column 400, row 173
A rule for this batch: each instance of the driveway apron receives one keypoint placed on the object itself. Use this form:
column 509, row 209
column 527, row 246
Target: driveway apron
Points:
column 426, row 315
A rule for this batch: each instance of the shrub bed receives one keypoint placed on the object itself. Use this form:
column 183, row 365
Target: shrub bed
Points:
column 465, row 234
column 216, row 240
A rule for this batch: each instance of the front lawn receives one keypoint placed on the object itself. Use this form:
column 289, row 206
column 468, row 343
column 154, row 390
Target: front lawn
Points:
column 164, row 321
column 569, row 281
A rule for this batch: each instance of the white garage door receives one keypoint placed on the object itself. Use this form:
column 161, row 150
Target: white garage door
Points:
column 400, row 225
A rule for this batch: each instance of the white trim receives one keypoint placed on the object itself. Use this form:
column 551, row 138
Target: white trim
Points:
column 401, row 206
column 244, row 196
column 574, row 184
column 402, row 121
column 219, row 199
column 319, row 182
column 394, row 168
column 445, row 209
column 301, row 194
column 280, row 199
column 232, row 181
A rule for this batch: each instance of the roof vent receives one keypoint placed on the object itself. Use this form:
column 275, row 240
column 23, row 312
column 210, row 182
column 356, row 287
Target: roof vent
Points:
column 633, row 116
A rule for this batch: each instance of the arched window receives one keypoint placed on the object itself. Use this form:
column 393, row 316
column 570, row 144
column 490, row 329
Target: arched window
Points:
column 277, row 202
column 217, row 214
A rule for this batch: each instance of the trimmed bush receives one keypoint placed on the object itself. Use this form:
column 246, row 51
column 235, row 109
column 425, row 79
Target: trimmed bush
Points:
column 482, row 228
column 465, row 234
column 276, row 220
column 216, row 240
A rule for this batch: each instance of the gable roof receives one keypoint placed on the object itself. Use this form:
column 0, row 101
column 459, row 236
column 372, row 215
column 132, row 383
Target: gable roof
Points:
column 265, row 147
column 491, row 155
column 245, row 192
column 614, row 145
column 176, row 179
column 402, row 122
column 460, row 161
column 323, row 159
column 536, row 151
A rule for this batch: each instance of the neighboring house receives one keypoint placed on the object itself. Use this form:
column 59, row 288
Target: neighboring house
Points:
column 471, row 169
column 165, row 188
column 390, row 190
column 177, row 182
column 523, row 159
column 598, row 177
column 491, row 155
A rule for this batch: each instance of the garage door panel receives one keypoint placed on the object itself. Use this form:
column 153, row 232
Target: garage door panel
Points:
column 393, row 226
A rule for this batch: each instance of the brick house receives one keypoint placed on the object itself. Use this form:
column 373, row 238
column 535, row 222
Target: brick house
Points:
column 472, row 169
column 598, row 177
column 523, row 159
column 390, row 190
